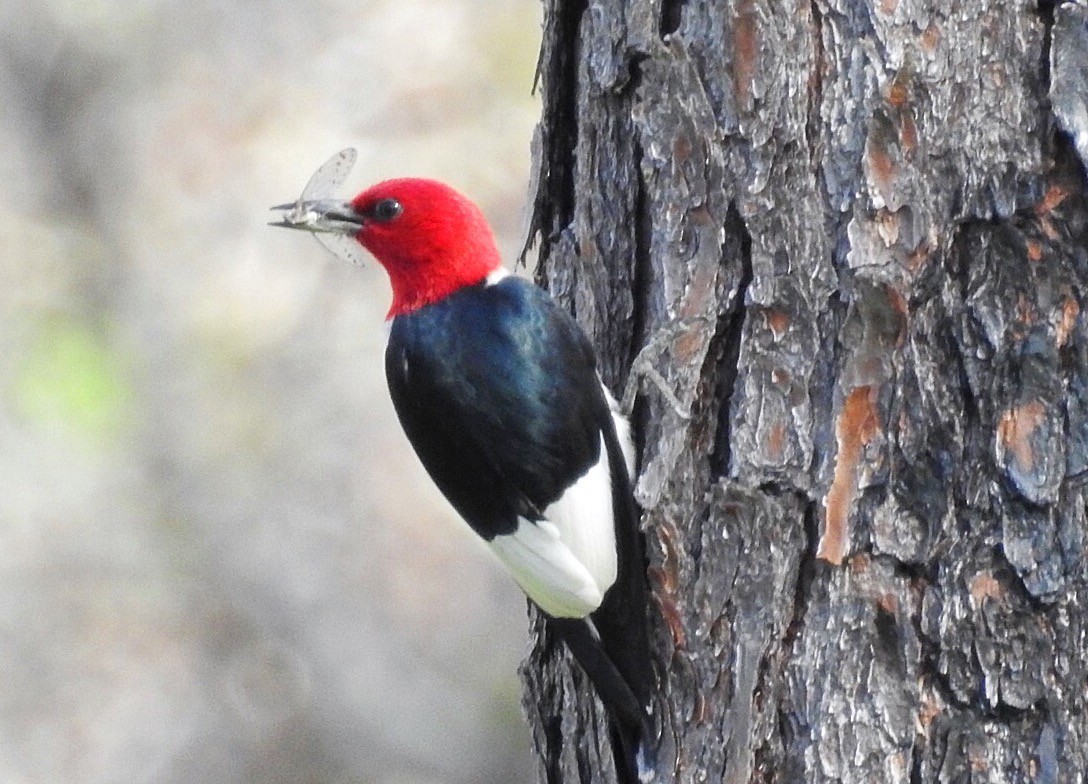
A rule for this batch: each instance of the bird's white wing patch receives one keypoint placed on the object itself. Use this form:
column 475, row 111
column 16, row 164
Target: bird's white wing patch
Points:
column 583, row 516
column 567, row 561
column 547, row 570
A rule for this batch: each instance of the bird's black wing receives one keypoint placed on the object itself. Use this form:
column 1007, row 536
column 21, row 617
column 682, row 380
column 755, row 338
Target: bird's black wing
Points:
column 497, row 391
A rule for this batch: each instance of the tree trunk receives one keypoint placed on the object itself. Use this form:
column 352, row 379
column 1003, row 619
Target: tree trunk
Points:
column 841, row 247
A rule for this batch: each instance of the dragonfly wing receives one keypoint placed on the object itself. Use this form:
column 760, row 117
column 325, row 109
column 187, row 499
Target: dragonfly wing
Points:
column 329, row 176
column 342, row 246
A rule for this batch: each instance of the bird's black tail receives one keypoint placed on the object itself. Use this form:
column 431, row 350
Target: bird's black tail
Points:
column 612, row 645
column 630, row 727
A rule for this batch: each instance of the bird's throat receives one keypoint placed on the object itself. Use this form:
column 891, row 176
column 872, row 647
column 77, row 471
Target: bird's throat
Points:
column 417, row 284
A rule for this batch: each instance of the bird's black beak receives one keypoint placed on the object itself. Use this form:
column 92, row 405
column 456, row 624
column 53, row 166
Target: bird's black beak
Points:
column 319, row 216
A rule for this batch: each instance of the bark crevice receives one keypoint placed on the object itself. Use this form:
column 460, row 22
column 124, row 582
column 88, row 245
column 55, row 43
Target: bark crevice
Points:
column 557, row 72
column 672, row 12
column 727, row 338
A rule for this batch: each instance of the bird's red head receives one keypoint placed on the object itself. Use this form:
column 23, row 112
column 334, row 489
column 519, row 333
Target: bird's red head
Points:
column 430, row 239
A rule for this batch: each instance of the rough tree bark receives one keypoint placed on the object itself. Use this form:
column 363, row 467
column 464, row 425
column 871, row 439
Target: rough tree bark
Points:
column 843, row 244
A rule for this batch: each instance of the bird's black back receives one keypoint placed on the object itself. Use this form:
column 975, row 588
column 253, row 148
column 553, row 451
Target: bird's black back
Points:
column 497, row 390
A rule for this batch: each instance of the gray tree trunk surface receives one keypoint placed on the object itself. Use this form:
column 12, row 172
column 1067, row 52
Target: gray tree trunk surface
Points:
column 841, row 248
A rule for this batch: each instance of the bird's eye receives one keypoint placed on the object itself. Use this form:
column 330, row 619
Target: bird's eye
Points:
column 385, row 210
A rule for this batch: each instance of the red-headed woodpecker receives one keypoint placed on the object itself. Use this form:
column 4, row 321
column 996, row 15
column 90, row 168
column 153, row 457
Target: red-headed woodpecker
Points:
column 497, row 389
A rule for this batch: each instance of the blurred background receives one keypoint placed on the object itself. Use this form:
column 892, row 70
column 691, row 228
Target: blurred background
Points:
column 219, row 559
